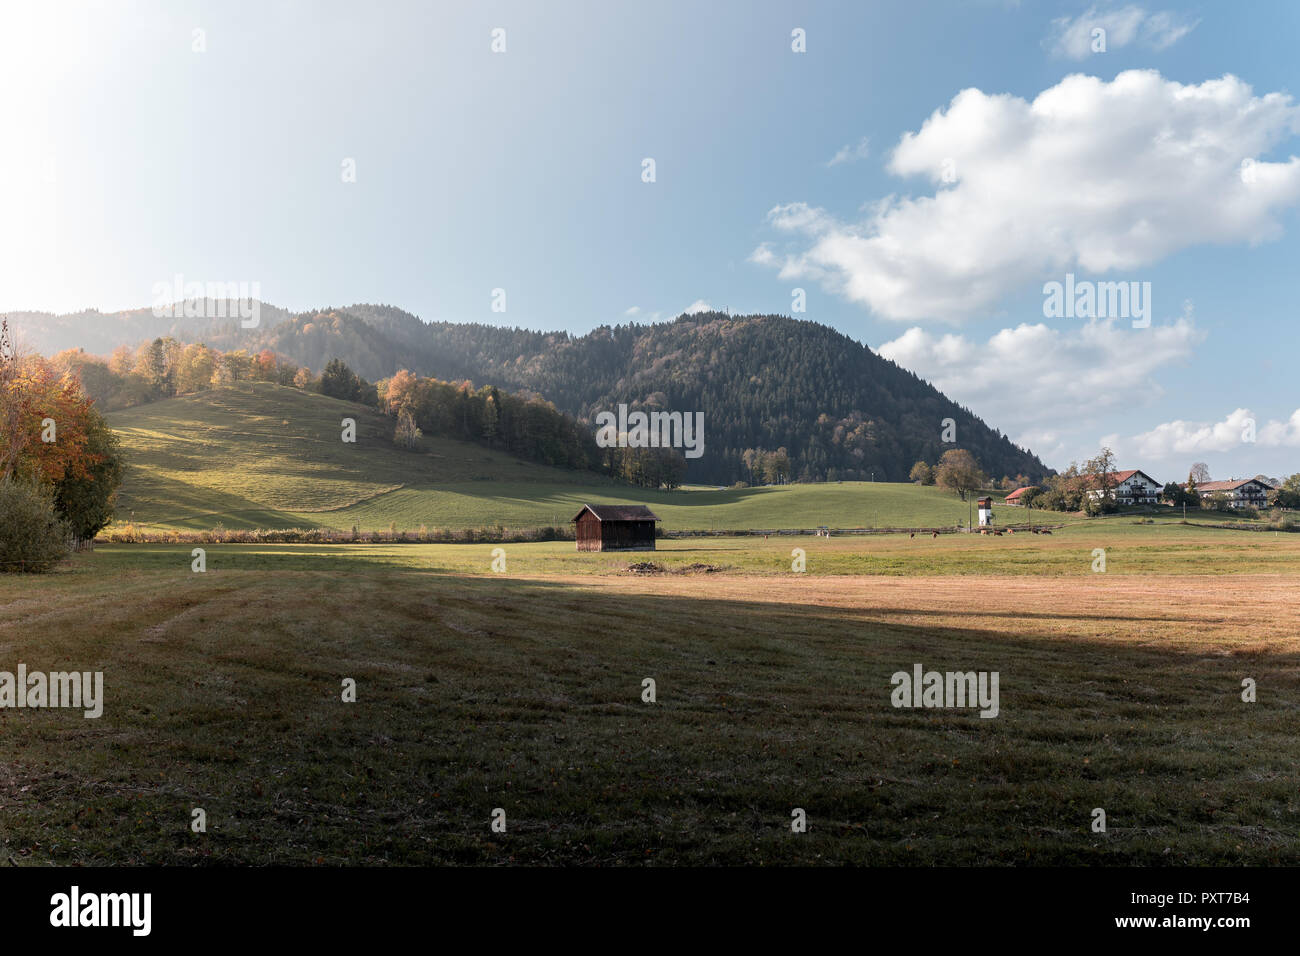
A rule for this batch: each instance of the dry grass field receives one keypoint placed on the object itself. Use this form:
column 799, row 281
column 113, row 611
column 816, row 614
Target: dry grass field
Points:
column 522, row 691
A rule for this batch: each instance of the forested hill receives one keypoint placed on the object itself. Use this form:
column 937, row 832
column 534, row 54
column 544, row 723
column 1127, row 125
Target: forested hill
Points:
column 763, row 382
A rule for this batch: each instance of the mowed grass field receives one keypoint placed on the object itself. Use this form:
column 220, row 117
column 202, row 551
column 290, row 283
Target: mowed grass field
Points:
column 522, row 690
column 261, row 456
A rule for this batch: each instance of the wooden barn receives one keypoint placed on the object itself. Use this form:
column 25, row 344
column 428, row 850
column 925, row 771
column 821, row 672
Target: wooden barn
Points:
column 615, row 528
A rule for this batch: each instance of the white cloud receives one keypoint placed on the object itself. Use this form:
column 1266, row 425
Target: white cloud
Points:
column 1090, row 176
column 1282, row 434
column 1180, row 437
column 1073, row 39
column 699, row 305
column 632, row 311
column 1032, row 378
column 1162, row 30
column 851, row 153
column 1188, row 438
column 1046, row 443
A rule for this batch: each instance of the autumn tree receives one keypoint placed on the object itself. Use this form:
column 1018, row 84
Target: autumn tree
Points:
column 958, row 471
column 264, row 366
column 13, row 408
column 85, row 499
column 401, row 392
column 45, row 418
column 56, row 453
column 491, row 415
column 407, row 433
column 1099, row 484
column 776, row 467
column 922, row 474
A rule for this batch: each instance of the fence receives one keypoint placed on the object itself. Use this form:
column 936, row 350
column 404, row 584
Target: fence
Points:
column 502, row 535
column 839, row 532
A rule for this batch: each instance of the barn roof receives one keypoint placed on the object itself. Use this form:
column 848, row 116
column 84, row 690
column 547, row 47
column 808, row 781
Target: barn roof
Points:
column 1019, row 492
column 1232, row 485
column 618, row 513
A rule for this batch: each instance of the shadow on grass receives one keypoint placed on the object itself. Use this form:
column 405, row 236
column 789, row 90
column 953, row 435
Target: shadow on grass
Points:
column 525, row 694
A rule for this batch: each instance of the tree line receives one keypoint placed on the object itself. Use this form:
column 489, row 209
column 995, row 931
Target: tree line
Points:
column 526, row 425
column 60, row 464
column 1090, row 488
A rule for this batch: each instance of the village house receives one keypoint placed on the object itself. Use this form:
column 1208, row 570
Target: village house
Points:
column 615, row 528
column 1017, row 498
column 1241, row 492
column 1133, row 487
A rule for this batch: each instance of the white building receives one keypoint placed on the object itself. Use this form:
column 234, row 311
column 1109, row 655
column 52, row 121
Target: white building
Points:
column 1129, row 487
column 1241, row 492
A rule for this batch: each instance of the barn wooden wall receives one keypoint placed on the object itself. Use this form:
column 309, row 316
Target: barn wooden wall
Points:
column 595, row 535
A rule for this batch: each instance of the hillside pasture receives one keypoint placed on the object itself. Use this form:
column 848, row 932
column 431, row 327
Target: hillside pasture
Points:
column 261, row 456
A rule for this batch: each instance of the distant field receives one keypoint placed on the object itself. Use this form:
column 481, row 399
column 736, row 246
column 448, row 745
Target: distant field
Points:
column 522, row 691
column 259, row 456
column 846, row 505
column 1129, row 549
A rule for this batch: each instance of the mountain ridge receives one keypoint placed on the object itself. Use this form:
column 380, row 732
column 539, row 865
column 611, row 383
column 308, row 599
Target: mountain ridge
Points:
column 763, row 382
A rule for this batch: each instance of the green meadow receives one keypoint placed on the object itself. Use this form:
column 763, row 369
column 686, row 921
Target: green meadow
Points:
column 261, row 456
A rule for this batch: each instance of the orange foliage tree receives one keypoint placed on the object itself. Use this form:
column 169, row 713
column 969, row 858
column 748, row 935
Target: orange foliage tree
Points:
column 44, row 419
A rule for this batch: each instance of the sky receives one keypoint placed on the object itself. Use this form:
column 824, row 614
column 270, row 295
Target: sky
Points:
column 922, row 171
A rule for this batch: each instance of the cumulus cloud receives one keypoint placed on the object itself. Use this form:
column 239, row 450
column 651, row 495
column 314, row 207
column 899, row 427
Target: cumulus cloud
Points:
column 1282, row 434
column 1090, row 176
column 1237, row 429
column 633, row 310
column 1073, row 38
column 1031, row 378
column 1180, row 437
column 851, row 153
column 699, row 305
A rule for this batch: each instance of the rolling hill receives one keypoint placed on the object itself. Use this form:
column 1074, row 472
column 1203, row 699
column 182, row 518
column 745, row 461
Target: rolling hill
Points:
column 262, row 456
column 762, row 382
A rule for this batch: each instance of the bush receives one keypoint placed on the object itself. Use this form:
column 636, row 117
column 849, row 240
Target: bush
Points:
column 1050, row 500
column 32, row 536
column 1093, row 507
column 86, row 502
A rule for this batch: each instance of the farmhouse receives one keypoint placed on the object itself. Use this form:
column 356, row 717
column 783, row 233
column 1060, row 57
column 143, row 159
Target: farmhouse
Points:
column 1017, row 497
column 615, row 528
column 1132, row 487
column 1241, row 492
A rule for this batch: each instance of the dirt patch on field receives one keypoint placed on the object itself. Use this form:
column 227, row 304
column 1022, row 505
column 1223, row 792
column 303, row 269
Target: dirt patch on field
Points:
column 650, row 567
column 698, row 568
column 1241, row 615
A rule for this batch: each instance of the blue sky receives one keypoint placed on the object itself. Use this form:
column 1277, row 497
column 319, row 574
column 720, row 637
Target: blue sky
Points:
column 132, row 157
